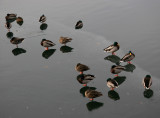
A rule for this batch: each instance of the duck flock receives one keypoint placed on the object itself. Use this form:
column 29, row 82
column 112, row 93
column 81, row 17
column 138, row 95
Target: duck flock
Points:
column 82, row 78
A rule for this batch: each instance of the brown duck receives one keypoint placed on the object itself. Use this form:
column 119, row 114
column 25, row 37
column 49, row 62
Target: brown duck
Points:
column 64, row 40
column 92, row 94
column 16, row 41
column 81, row 67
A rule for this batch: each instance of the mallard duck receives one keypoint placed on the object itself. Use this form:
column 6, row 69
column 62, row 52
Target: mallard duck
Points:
column 8, row 26
column 11, row 16
column 112, row 48
column 81, row 67
column 147, row 82
column 111, row 83
column 128, row 57
column 85, row 78
column 92, row 94
column 79, row 25
column 47, row 43
column 64, row 40
column 117, row 69
column 42, row 18
column 16, row 40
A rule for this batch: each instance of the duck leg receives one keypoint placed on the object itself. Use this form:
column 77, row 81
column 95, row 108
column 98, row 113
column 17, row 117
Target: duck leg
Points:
column 129, row 62
column 46, row 48
column 116, row 75
column 113, row 53
column 84, row 85
column 91, row 99
column 81, row 72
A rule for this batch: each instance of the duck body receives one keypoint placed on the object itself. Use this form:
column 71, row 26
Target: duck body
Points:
column 147, row 82
column 47, row 43
column 85, row 78
column 64, row 40
column 92, row 94
column 81, row 67
column 16, row 40
column 117, row 69
column 112, row 48
column 42, row 19
column 11, row 16
column 19, row 19
column 111, row 83
column 128, row 57
column 79, row 25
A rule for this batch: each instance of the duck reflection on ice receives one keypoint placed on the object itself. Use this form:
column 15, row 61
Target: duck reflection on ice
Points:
column 120, row 79
column 148, row 93
column 43, row 26
column 130, row 68
column 92, row 105
column 18, row 51
column 85, row 78
column 113, row 58
column 9, row 35
column 83, row 89
column 66, row 49
column 47, row 53
column 113, row 95
column 11, row 17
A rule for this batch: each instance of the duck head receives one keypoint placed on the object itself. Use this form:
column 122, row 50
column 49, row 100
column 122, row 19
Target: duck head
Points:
column 113, row 66
column 115, row 43
column 148, row 76
column 108, row 79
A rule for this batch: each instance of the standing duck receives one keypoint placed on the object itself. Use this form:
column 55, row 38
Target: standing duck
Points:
column 117, row 69
column 92, row 94
column 8, row 26
column 64, row 40
column 85, row 78
column 128, row 57
column 47, row 43
column 11, row 16
column 81, row 67
column 147, row 82
column 16, row 40
column 79, row 25
column 42, row 18
column 111, row 83
column 112, row 48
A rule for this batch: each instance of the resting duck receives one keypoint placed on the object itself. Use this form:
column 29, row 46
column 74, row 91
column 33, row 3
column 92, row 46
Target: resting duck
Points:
column 111, row 83
column 11, row 16
column 79, row 25
column 147, row 82
column 117, row 69
column 16, row 40
column 81, row 67
column 8, row 26
column 47, row 43
column 128, row 57
column 42, row 18
column 112, row 48
column 92, row 94
column 85, row 78
column 64, row 40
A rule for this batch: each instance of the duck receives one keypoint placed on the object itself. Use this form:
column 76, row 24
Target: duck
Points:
column 117, row 69
column 128, row 57
column 81, row 67
column 111, row 83
column 11, row 16
column 42, row 18
column 19, row 19
column 64, row 40
column 85, row 78
column 112, row 48
column 79, row 25
column 16, row 40
column 92, row 94
column 147, row 82
column 8, row 26
column 47, row 43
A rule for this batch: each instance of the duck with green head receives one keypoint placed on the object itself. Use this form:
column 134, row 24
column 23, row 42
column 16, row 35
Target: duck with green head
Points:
column 117, row 69
column 147, row 82
column 111, row 83
column 8, row 26
column 42, row 19
column 47, row 43
column 112, row 48
column 128, row 57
